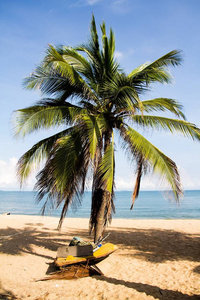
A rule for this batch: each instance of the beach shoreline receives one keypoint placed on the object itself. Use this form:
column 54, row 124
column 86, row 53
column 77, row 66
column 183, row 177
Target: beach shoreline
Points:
column 156, row 259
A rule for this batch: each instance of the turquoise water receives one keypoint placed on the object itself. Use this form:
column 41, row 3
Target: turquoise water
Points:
column 149, row 205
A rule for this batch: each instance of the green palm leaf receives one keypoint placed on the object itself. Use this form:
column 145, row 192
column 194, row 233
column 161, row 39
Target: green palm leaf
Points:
column 110, row 66
column 107, row 166
column 31, row 159
column 156, row 71
column 92, row 50
column 47, row 80
column 160, row 163
column 63, row 177
column 36, row 117
column 56, row 61
column 120, row 94
column 173, row 125
column 95, row 127
column 73, row 58
column 104, row 99
column 164, row 104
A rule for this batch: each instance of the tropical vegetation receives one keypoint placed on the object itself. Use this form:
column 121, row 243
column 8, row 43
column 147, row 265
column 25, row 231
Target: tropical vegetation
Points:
column 92, row 100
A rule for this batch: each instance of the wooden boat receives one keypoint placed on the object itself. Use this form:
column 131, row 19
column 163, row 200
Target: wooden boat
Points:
column 80, row 260
column 73, row 272
column 97, row 256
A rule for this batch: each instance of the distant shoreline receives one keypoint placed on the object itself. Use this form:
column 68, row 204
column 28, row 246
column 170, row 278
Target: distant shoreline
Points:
column 149, row 205
column 87, row 218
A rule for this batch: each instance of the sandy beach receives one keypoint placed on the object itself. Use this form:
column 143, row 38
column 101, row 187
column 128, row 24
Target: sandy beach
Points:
column 156, row 259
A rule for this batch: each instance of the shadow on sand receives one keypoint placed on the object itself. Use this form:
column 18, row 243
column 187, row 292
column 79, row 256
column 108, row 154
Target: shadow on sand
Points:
column 6, row 295
column 158, row 245
column 197, row 270
column 141, row 243
column 148, row 244
column 150, row 290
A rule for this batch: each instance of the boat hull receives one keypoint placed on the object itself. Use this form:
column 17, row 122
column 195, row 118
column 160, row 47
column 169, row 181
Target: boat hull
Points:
column 99, row 255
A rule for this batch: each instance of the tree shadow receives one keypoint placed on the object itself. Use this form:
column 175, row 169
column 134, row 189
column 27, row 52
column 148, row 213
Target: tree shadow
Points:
column 35, row 224
column 157, row 245
column 151, row 290
column 197, row 269
column 18, row 241
column 6, row 295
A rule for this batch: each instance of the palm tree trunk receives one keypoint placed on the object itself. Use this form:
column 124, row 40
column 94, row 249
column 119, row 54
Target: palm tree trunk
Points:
column 138, row 180
column 100, row 212
column 101, row 198
column 100, row 221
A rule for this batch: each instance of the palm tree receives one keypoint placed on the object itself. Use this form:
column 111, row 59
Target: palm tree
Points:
column 91, row 98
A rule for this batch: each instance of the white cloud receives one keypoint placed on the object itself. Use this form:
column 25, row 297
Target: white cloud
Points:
column 118, row 55
column 128, row 183
column 123, row 184
column 9, row 180
column 189, row 181
column 92, row 2
column 153, row 182
column 85, row 2
column 121, row 6
column 7, row 173
column 8, row 176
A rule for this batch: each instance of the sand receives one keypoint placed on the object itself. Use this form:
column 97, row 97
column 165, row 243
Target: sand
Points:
column 156, row 259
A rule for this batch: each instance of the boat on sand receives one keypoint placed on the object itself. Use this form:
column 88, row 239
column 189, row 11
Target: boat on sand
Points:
column 79, row 259
column 101, row 253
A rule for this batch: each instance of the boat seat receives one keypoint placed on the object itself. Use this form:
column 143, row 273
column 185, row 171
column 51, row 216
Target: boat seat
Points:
column 77, row 251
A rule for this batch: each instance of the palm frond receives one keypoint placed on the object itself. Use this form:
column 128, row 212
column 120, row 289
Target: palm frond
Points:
column 103, row 63
column 76, row 60
column 56, row 75
column 70, row 64
column 50, row 82
column 164, row 104
column 160, row 163
column 56, row 61
column 63, row 177
column 112, row 43
column 47, row 80
column 173, row 125
column 107, row 166
column 94, row 36
column 138, row 180
column 110, row 65
column 37, row 117
column 120, row 94
column 95, row 126
column 92, row 50
column 156, row 71
column 31, row 159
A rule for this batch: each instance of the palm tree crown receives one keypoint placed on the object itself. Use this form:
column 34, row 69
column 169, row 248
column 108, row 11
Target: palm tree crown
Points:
column 93, row 99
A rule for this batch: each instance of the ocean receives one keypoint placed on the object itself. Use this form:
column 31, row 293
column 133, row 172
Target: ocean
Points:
column 149, row 205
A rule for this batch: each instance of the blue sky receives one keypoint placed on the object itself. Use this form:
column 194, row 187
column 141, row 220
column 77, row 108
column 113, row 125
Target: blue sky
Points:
column 144, row 31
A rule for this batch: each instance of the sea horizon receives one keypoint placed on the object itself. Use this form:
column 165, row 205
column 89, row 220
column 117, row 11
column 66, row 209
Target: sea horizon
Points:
column 149, row 205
